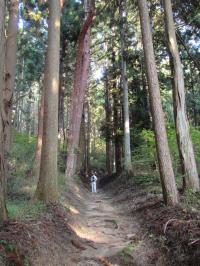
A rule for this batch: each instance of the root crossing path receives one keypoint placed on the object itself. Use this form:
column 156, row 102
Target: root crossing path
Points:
column 109, row 231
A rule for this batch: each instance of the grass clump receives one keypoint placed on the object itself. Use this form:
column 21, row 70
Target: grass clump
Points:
column 25, row 210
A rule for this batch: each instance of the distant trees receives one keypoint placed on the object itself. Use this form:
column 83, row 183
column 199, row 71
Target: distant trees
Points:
column 68, row 111
column 186, row 152
column 170, row 193
column 47, row 185
column 3, row 212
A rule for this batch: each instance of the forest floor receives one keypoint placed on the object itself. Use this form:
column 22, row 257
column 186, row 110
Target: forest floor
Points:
column 120, row 225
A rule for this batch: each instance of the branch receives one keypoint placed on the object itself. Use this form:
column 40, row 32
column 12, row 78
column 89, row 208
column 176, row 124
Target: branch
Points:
column 188, row 51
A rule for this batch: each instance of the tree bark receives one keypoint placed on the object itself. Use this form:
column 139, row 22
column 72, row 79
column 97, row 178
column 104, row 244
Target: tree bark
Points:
column 3, row 211
column 61, row 120
column 10, row 67
column 169, row 189
column 87, row 136
column 186, row 151
column 47, row 190
column 78, row 93
column 117, row 128
column 38, row 152
column 127, row 144
column 109, row 145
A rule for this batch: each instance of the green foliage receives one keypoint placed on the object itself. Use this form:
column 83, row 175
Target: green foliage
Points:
column 192, row 198
column 21, row 159
column 7, row 246
column 144, row 154
column 62, row 181
column 25, row 210
column 98, row 161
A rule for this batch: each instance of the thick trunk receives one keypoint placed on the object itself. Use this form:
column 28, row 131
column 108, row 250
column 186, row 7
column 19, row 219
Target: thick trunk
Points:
column 170, row 193
column 186, row 151
column 47, row 186
column 3, row 211
column 78, row 93
column 10, row 67
column 127, row 144
column 109, row 148
column 38, row 151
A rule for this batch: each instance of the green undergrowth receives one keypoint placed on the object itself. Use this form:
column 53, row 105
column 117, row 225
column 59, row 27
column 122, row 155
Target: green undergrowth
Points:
column 21, row 184
column 25, row 210
column 144, row 155
column 21, row 159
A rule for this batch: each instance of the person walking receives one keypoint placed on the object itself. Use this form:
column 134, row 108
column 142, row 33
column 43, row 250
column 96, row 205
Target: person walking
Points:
column 93, row 180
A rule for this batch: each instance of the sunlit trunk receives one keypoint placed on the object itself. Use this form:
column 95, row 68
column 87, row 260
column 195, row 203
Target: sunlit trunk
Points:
column 47, row 190
column 186, row 151
column 38, row 152
column 78, row 93
column 170, row 193
column 127, row 144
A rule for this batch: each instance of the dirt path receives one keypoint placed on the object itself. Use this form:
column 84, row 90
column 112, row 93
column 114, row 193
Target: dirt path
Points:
column 110, row 230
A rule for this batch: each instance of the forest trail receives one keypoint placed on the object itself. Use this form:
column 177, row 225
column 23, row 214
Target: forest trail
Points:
column 106, row 228
column 110, row 230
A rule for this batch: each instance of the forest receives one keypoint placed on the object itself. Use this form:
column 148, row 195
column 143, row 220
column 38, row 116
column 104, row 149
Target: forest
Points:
column 106, row 90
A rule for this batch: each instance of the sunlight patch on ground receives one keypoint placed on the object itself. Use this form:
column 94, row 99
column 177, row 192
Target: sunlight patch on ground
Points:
column 77, row 191
column 73, row 209
column 86, row 233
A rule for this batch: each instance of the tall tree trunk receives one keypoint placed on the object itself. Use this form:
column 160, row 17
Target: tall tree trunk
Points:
column 61, row 122
column 117, row 127
column 87, row 136
column 10, row 67
column 38, row 152
column 109, row 146
column 3, row 211
column 170, row 193
column 80, row 162
column 127, row 144
column 47, row 186
column 78, row 93
column 186, row 151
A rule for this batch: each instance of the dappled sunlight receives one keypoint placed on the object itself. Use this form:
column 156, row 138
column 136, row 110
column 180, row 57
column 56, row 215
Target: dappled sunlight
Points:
column 173, row 43
column 77, row 192
column 57, row 24
column 89, row 234
column 55, row 86
column 28, row 189
column 72, row 209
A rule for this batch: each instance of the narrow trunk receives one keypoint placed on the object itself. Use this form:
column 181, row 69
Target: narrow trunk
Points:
column 127, row 144
column 3, row 211
column 10, row 67
column 186, row 151
column 170, row 193
column 38, row 152
column 61, row 128
column 47, row 186
column 117, row 128
column 87, row 136
column 109, row 148
column 78, row 93
column 80, row 164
